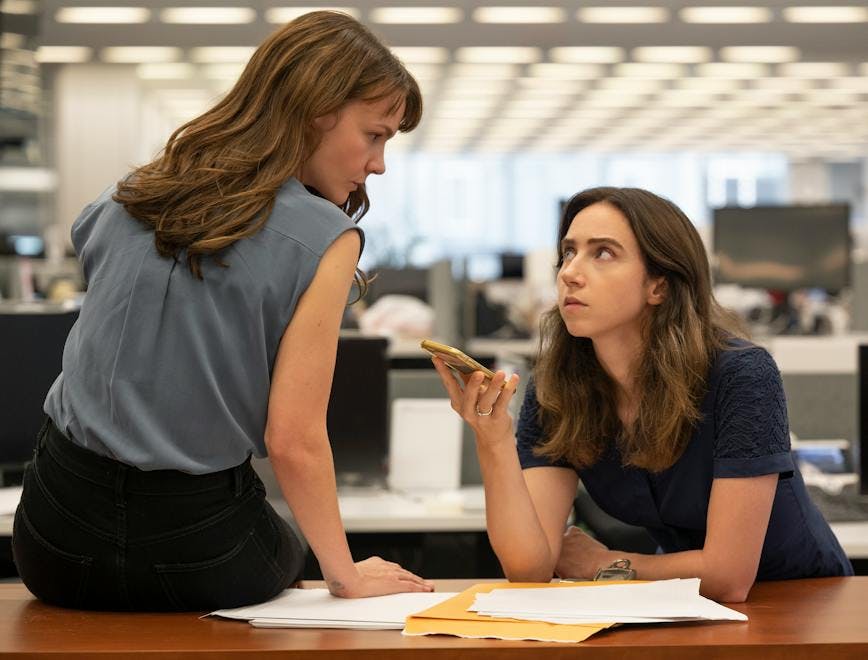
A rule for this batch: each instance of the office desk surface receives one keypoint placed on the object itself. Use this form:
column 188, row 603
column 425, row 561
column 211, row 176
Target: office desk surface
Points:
column 818, row 618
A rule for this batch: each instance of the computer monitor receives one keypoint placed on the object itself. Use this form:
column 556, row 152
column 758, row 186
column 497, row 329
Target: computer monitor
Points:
column 31, row 352
column 357, row 419
column 398, row 281
column 783, row 247
column 862, row 399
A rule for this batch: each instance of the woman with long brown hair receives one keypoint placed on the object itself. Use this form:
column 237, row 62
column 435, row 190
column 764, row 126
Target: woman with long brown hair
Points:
column 647, row 391
column 217, row 276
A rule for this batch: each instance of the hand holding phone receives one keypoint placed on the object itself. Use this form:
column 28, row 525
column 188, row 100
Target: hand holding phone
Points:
column 456, row 360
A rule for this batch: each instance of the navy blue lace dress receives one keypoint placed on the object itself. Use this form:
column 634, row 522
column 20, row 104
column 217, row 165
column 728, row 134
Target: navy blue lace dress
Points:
column 743, row 433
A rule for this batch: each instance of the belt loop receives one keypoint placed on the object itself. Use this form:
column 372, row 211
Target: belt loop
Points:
column 120, row 486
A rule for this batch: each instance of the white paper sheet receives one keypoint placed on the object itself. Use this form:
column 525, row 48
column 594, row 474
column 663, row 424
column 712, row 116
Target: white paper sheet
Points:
column 316, row 607
column 650, row 602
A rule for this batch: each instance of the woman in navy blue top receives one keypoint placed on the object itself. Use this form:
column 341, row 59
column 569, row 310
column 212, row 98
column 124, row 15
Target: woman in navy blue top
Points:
column 645, row 391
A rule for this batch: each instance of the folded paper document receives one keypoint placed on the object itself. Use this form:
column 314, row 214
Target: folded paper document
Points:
column 452, row 617
column 317, row 608
column 565, row 611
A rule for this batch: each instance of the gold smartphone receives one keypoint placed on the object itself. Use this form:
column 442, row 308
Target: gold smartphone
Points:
column 455, row 359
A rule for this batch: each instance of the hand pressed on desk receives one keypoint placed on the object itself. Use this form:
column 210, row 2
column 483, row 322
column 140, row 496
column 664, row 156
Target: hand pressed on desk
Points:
column 581, row 555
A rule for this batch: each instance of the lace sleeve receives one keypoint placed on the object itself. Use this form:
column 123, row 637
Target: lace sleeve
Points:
column 751, row 430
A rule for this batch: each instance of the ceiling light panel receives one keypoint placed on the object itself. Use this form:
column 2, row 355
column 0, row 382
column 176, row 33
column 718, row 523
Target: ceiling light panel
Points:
column 647, row 70
column 421, row 54
column 139, row 54
column 675, row 54
column 282, row 15
column 566, row 72
column 484, row 71
column 587, row 54
column 63, row 54
column 416, row 15
column 165, row 71
column 849, row 14
column 726, row 15
column 742, row 70
column 221, row 54
column 814, row 69
column 623, row 14
column 519, row 15
column 760, row 54
column 498, row 54
column 208, row 15
column 118, row 15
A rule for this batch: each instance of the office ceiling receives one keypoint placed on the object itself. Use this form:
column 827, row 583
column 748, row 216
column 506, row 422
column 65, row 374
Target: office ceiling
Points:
column 587, row 82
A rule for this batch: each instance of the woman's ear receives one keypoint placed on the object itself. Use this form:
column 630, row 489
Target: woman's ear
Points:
column 657, row 290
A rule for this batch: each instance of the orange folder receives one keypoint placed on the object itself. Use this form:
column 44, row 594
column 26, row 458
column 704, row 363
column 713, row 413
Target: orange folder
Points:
column 451, row 617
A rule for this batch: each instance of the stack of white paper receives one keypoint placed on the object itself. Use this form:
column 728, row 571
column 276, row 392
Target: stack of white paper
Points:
column 649, row 602
column 317, row 608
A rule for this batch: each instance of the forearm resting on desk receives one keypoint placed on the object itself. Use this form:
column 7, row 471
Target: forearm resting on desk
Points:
column 306, row 476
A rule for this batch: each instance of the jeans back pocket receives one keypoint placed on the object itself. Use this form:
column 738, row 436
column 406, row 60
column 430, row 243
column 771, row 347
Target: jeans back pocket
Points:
column 244, row 575
column 53, row 575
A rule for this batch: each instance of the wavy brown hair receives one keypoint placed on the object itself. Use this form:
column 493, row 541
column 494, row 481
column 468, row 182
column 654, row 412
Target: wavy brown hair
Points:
column 682, row 335
column 216, row 180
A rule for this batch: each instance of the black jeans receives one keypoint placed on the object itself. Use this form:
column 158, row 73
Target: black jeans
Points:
column 94, row 533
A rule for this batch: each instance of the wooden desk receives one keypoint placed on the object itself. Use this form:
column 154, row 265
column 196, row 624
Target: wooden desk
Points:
column 820, row 618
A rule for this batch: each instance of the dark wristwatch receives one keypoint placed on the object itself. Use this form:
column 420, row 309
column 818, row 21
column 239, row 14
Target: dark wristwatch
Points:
column 617, row 570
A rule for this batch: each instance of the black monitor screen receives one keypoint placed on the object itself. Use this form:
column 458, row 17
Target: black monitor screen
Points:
column 357, row 415
column 31, row 353
column 783, row 247
column 398, row 281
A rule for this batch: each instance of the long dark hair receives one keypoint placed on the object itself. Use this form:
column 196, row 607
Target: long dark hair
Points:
column 681, row 335
column 216, row 180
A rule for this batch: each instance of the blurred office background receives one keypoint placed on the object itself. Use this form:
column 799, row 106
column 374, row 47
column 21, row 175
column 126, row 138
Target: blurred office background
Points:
column 750, row 115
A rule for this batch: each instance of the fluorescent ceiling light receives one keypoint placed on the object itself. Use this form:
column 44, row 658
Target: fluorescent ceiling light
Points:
column 422, row 72
column 102, row 15
column 421, row 54
column 728, row 15
column 623, row 14
column 208, row 15
column 484, row 71
column 814, row 69
column 849, row 14
column 416, row 15
column 12, row 40
column 709, row 84
column 631, row 84
column 552, row 71
column 675, row 54
column 169, row 71
column 18, row 6
column 217, row 54
column 586, row 54
column 784, row 84
column 63, row 54
column 282, row 15
column 647, row 70
column 850, row 83
column 139, row 54
column 549, row 86
column 764, row 54
column 498, row 54
column 732, row 70
column 225, row 71
column 519, row 15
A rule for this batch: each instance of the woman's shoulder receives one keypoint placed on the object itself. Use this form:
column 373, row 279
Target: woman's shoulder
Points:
column 743, row 368
column 307, row 218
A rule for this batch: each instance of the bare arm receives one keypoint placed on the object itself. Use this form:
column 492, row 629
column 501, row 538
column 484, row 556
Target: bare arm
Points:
column 296, row 436
column 525, row 511
column 738, row 517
